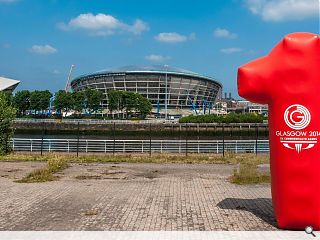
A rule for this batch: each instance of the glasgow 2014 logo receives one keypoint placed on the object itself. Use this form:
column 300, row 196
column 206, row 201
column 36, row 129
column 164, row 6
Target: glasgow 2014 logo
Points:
column 297, row 117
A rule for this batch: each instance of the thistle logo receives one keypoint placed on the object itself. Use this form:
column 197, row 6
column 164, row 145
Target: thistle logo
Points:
column 298, row 117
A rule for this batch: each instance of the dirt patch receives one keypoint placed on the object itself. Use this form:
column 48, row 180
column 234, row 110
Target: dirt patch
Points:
column 88, row 177
column 14, row 170
column 91, row 212
column 17, row 170
column 148, row 174
column 112, row 172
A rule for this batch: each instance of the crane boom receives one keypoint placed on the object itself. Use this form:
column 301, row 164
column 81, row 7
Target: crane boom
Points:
column 68, row 80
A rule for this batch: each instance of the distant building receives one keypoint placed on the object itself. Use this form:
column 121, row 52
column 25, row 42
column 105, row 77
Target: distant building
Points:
column 250, row 107
column 185, row 91
column 229, row 104
column 225, row 104
column 7, row 84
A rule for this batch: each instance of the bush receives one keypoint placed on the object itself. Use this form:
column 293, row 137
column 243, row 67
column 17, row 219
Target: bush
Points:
column 229, row 118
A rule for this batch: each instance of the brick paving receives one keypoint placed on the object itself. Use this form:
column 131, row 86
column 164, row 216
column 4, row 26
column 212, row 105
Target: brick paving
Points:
column 133, row 197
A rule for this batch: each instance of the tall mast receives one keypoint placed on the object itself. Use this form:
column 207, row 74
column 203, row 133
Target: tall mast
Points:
column 68, row 80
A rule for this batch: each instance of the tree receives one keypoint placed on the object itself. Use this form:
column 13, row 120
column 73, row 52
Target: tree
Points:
column 22, row 101
column 144, row 106
column 40, row 100
column 114, row 98
column 78, row 101
column 63, row 101
column 128, row 101
column 94, row 98
column 35, row 98
column 7, row 115
column 9, row 97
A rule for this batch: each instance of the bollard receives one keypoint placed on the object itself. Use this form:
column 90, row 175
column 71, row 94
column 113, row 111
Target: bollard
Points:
column 150, row 139
column 223, row 140
column 114, row 138
column 78, row 132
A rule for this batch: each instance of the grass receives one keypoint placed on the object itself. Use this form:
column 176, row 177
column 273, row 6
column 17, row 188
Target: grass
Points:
column 246, row 173
column 45, row 174
column 229, row 158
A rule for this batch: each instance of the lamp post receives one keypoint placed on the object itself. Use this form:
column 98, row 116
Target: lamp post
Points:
column 166, row 93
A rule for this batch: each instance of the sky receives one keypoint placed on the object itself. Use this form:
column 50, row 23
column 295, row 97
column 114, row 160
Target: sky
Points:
column 41, row 39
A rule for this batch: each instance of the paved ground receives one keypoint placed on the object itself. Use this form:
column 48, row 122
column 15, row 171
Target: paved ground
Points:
column 132, row 197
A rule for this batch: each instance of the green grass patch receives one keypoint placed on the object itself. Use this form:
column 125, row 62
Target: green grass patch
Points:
column 41, row 175
column 46, row 174
column 247, row 173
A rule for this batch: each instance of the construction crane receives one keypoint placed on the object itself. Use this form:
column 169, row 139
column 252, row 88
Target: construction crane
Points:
column 68, row 80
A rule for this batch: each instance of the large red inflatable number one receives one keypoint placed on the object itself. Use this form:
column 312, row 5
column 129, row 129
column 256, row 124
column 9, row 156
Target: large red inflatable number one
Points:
column 288, row 80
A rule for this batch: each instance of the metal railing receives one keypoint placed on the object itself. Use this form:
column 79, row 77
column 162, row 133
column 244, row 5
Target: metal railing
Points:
column 140, row 146
column 92, row 121
column 151, row 121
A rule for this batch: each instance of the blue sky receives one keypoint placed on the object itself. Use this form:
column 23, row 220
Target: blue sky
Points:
column 40, row 39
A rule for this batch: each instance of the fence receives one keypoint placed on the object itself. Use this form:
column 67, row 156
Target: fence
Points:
column 129, row 122
column 92, row 121
column 140, row 146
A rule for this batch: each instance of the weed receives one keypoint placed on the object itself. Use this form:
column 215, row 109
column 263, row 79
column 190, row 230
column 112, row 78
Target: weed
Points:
column 45, row 174
column 248, row 174
column 229, row 158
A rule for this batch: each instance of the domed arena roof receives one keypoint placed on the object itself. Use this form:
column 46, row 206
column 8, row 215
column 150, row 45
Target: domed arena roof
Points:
column 150, row 69
column 153, row 68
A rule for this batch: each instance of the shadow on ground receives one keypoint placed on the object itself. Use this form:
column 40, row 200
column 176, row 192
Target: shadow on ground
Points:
column 260, row 207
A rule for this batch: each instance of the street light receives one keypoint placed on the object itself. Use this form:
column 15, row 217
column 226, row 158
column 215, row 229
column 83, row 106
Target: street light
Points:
column 166, row 93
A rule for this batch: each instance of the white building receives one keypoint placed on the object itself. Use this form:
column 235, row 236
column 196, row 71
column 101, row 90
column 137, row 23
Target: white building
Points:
column 250, row 107
column 7, row 84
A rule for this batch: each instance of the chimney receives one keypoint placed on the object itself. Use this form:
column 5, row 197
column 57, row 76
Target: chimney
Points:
column 230, row 95
column 225, row 95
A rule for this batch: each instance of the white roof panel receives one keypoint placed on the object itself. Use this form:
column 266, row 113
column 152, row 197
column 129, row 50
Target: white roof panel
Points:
column 8, row 84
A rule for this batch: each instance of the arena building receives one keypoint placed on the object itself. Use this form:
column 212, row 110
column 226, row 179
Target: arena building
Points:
column 183, row 90
column 7, row 84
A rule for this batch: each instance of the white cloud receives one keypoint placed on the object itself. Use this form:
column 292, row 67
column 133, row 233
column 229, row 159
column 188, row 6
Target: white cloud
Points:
column 282, row 10
column 138, row 27
column 224, row 33
column 171, row 37
column 157, row 58
column 43, row 49
column 231, row 50
column 56, row 72
column 103, row 25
